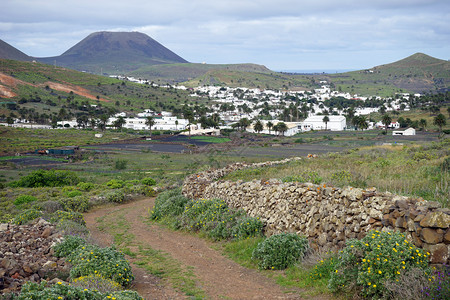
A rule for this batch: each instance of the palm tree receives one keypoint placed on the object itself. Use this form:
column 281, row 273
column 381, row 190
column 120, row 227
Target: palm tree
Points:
column 281, row 127
column 440, row 121
column 119, row 122
column 326, row 120
column 150, row 121
column 269, row 126
column 103, row 121
column 386, row 120
column 258, row 126
column 363, row 123
column 244, row 123
column 176, row 124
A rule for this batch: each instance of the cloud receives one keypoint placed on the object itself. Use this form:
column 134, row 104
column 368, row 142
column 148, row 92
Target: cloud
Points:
column 280, row 34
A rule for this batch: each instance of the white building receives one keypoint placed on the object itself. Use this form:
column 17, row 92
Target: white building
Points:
column 409, row 131
column 292, row 127
column 335, row 123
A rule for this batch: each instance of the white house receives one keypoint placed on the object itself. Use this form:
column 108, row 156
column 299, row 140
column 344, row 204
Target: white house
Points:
column 409, row 131
column 335, row 123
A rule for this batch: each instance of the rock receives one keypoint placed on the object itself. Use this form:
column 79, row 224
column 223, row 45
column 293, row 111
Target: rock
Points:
column 436, row 219
column 431, row 236
column 3, row 227
column 447, row 236
column 46, row 233
column 439, row 253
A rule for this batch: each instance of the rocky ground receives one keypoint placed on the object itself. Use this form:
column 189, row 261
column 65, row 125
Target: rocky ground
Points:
column 26, row 254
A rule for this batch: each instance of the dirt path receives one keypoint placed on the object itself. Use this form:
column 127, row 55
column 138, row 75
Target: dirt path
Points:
column 218, row 276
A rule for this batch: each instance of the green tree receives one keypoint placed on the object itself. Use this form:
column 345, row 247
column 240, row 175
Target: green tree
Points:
column 281, row 128
column 118, row 124
column 258, row 126
column 269, row 126
column 102, row 123
column 150, row 121
column 440, row 121
column 326, row 119
column 423, row 123
column 386, row 120
column 244, row 123
column 362, row 123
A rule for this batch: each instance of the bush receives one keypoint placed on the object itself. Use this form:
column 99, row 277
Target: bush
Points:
column 364, row 265
column 168, row 203
column 50, row 206
column 27, row 216
column 439, row 288
column 324, row 268
column 120, row 164
column 36, row 291
column 22, row 199
column 78, row 203
column 68, row 245
column 148, row 181
column 107, row 262
column 70, row 227
column 280, row 251
column 117, row 196
column 85, row 186
column 445, row 165
column 51, row 178
column 247, row 227
column 62, row 215
column 115, row 184
column 73, row 194
column 96, row 282
column 306, row 176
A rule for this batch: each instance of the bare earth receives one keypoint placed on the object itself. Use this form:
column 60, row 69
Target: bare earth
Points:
column 217, row 275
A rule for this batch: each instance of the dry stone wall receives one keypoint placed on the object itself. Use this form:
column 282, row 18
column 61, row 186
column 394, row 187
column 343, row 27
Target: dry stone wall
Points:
column 328, row 216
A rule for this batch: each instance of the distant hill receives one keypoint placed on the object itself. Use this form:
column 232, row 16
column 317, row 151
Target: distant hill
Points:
column 114, row 53
column 416, row 73
column 9, row 52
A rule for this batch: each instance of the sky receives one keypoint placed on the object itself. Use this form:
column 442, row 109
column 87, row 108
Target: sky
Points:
column 283, row 35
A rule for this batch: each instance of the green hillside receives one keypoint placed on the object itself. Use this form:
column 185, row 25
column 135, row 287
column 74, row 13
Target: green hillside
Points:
column 38, row 91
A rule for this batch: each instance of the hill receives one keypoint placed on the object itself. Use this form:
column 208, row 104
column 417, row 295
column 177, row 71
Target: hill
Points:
column 417, row 73
column 114, row 53
column 9, row 52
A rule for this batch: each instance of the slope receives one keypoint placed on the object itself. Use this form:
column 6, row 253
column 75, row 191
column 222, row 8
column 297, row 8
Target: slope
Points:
column 9, row 52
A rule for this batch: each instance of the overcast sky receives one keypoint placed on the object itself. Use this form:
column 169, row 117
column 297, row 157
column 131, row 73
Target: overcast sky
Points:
column 280, row 34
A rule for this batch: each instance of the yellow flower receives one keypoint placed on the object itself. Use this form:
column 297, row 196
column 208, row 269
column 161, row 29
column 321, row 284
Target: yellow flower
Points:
column 369, row 283
column 374, row 285
column 59, row 282
column 379, row 272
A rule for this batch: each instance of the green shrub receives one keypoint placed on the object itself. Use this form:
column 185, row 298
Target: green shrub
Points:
column 115, row 184
column 44, row 291
column 49, row 206
column 364, row 265
column 73, row 194
column 85, row 186
column 27, row 216
column 299, row 141
column 51, row 178
column 96, row 282
column 117, row 196
column 342, row 177
column 280, row 251
column 169, row 203
column 148, row 181
column 70, row 227
column 62, row 215
column 445, row 165
column 121, row 164
column 306, row 176
column 147, row 191
column 22, row 199
column 77, row 203
column 107, row 262
column 68, row 245
column 247, row 227
column 324, row 268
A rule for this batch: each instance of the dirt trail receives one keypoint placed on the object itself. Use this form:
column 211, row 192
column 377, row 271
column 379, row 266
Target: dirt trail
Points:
column 218, row 276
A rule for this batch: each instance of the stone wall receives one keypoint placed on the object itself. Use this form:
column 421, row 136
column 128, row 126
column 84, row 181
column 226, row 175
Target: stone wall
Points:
column 328, row 216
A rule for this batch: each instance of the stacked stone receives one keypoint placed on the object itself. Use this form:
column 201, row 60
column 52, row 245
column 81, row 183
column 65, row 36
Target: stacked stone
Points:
column 26, row 254
column 328, row 216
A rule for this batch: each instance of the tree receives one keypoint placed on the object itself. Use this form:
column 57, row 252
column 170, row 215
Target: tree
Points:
column 102, row 123
column 150, row 121
column 362, row 123
column 118, row 124
column 423, row 123
column 386, row 120
column 269, row 126
column 448, row 111
column 281, row 128
column 258, row 126
column 440, row 121
column 326, row 119
column 176, row 124
column 9, row 120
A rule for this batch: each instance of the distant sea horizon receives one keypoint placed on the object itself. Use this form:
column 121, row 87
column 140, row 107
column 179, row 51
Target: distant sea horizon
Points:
column 328, row 71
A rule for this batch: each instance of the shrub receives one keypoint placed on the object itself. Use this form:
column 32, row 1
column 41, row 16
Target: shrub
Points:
column 32, row 290
column 73, row 194
column 50, row 206
column 307, row 176
column 440, row 284
column 22, row 199
column 342, row 177
column 51, row 178
column 148, row 181
column 380, row 256
column 117, row 196
column 68, row 245
column 324, row 268
column 120, row 164
column 70, row 227
column 115, row 184
column 62, row 215
column 147, row 191
column 247, row 227
column 85, row 186
column 445, row 165
column 27, row 216
column 78, row 203
column 280, row 251
column 107, row 262
column 97, row 282
column 169, row 203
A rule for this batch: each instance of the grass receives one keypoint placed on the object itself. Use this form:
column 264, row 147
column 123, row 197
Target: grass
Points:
column 211, row 139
